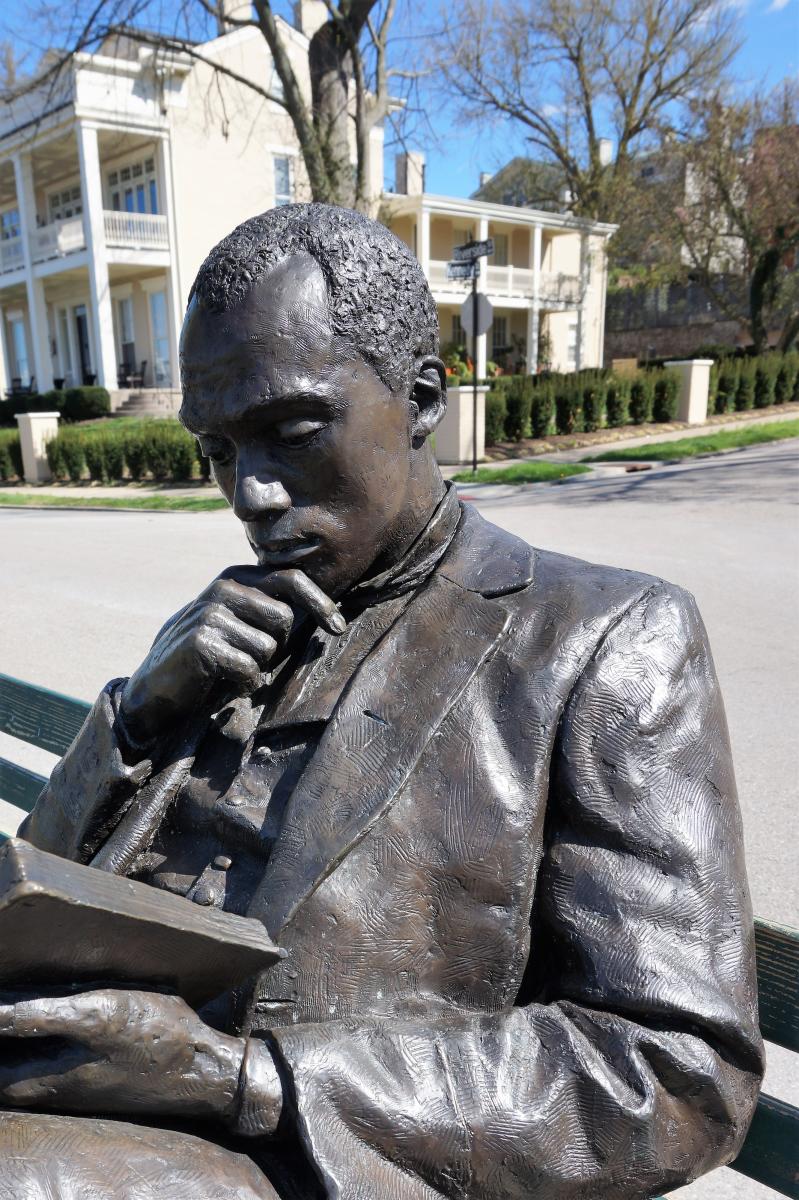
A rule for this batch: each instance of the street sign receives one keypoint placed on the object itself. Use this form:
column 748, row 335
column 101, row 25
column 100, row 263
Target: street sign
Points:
column 463, row 270
column 471, row 250
column 485, row 314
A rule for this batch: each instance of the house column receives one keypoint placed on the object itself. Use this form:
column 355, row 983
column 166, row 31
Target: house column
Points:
column 5, row 374
column 581, row 313
column 37, row 306
column 175, row 303
column 423, row 248
column 534, row 311
column 482, row 341
column 94, row 227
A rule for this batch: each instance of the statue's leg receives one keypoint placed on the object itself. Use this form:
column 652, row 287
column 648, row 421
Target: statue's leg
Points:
column 83, row 1158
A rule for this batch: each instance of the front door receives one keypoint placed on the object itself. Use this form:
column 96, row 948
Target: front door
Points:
column 84, row 347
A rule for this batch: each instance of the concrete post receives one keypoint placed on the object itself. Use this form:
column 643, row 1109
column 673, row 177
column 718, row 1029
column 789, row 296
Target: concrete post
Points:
column 35, row 431
column 94, row 226
column 694, row 388
column 37, row 308
column 454, row 436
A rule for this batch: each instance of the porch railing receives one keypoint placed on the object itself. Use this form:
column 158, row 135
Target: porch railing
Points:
column 57, row 239
column 555, row 287
column 11, row 256
column 136, row 231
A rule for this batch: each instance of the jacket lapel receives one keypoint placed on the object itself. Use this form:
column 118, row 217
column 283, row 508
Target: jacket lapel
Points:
column 386, row 716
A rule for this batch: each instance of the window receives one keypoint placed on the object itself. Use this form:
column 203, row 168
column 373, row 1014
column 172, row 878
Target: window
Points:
column 162, row 368
column 9, row 224
column 66, row 204
column 500, row 258
column 127, row 348
column 282, row 167
column 20, row 345
column 499, row 334
column 134, row 188
column 571, row 349
column 458, row 334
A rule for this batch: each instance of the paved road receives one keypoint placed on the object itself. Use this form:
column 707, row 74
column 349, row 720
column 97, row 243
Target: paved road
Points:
column 84, row 592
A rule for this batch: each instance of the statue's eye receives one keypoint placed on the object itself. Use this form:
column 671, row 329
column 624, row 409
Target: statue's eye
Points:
column 297, row 432
column 217, row 449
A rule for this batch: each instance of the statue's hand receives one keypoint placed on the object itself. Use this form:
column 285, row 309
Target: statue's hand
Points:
column 117, row 1052
column 228, row 635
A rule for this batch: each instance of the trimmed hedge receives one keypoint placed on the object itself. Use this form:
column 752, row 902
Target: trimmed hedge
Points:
column 666, row 394
column 10, row 455
column 162, row 448
column 74, row 404
column 496, row 412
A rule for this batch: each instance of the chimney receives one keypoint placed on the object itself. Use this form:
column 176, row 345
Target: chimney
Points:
column 409, row 172
column 605, row 152
column 310, row 15
column 485, row 176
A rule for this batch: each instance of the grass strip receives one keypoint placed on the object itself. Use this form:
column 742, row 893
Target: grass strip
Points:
column 139, row 503
column 725, row 439
column 526, row 472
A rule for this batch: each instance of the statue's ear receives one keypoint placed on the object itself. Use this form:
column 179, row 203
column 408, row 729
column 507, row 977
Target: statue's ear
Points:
column 428, row 398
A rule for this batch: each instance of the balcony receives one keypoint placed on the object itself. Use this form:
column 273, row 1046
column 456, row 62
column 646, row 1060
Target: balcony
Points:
column 136, row 231
column 123, row 230
column 507, row 282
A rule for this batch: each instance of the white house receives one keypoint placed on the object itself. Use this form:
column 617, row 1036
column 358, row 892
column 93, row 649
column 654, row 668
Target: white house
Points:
column 115, row 183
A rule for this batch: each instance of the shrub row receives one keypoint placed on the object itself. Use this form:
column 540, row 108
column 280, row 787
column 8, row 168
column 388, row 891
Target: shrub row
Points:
column 74, row 404
column 523, row 406
column 162, row 449
column 739, row 384
column 10, row 454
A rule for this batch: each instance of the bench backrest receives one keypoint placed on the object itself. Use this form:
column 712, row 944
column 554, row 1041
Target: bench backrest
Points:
column 771, row 1152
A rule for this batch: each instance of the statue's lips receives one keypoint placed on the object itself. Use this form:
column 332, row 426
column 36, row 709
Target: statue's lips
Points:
column 286, row 551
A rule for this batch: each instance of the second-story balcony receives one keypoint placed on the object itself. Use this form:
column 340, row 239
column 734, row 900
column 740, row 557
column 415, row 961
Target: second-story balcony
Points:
column 509, row 281
column 59, row 239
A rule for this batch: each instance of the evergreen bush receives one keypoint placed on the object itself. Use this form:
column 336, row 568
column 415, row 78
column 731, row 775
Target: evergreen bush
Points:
column 10, row 456
column 114, row 454
column 86, row 403
column 496, row 411
column 729, row 372
column 666, row 394
column 641, row 398
column 617, row 402
column 135, row 452
column 55, row 458
column 745, row 392
column 786, row 379
column 94, row 452
column 72, row 453
column 519, row 402
column 593, row 405
column 205, row 463
column 766, row 369
column 542, row 410
column 568, row 410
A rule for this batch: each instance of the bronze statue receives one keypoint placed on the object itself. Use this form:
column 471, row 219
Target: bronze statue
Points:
column 481, row 794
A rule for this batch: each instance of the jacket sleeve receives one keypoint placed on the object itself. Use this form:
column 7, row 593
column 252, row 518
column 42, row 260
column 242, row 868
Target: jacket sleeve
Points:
column 632, row 1059
column 91, row 786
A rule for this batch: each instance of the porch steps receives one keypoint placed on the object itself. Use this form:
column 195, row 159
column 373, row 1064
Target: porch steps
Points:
column 149, row 402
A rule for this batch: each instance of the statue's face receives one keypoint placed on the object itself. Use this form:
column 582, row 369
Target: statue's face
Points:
column 310, row 448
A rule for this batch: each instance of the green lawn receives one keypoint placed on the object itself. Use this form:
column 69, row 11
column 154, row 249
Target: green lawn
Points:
column 727, row 439
column 147, row 503
column 526, row 472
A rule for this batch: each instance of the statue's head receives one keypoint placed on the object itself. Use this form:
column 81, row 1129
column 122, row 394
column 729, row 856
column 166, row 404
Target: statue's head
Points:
column 311, row 377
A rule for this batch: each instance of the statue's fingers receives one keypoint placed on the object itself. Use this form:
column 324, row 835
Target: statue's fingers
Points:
column 296, row 588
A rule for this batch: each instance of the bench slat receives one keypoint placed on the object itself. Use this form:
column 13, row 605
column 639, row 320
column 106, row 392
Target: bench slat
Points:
column 778, row 983
column 19, row 786
column 769, row 1152
column 39, row 716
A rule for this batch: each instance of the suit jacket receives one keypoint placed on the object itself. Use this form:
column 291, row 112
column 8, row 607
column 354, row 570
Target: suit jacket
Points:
column 512, row 888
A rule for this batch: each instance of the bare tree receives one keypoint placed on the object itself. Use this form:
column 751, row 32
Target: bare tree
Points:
column 350, row 78
column 740, row 214
column 571, row 73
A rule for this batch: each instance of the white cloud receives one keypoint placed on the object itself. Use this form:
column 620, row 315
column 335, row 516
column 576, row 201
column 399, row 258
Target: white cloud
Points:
column 777, row 5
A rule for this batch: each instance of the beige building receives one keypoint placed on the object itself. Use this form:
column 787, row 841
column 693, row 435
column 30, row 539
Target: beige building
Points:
column 115, row 183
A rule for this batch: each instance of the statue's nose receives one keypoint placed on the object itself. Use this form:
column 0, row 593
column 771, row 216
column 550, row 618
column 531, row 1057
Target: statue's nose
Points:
column 255, row 496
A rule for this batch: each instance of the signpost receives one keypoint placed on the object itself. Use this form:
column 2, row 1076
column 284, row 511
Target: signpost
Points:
column 476, row 312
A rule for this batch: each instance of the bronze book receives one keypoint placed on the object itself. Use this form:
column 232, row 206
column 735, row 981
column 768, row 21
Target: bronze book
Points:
column 62, row 924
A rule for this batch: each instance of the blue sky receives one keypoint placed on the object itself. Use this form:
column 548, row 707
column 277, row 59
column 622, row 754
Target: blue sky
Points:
column 769, row 31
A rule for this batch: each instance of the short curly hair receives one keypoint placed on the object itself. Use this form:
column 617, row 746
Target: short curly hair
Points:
column 378, row 296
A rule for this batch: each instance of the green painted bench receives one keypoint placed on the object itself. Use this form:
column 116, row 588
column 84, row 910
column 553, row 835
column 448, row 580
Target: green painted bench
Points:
column 771, row 1151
